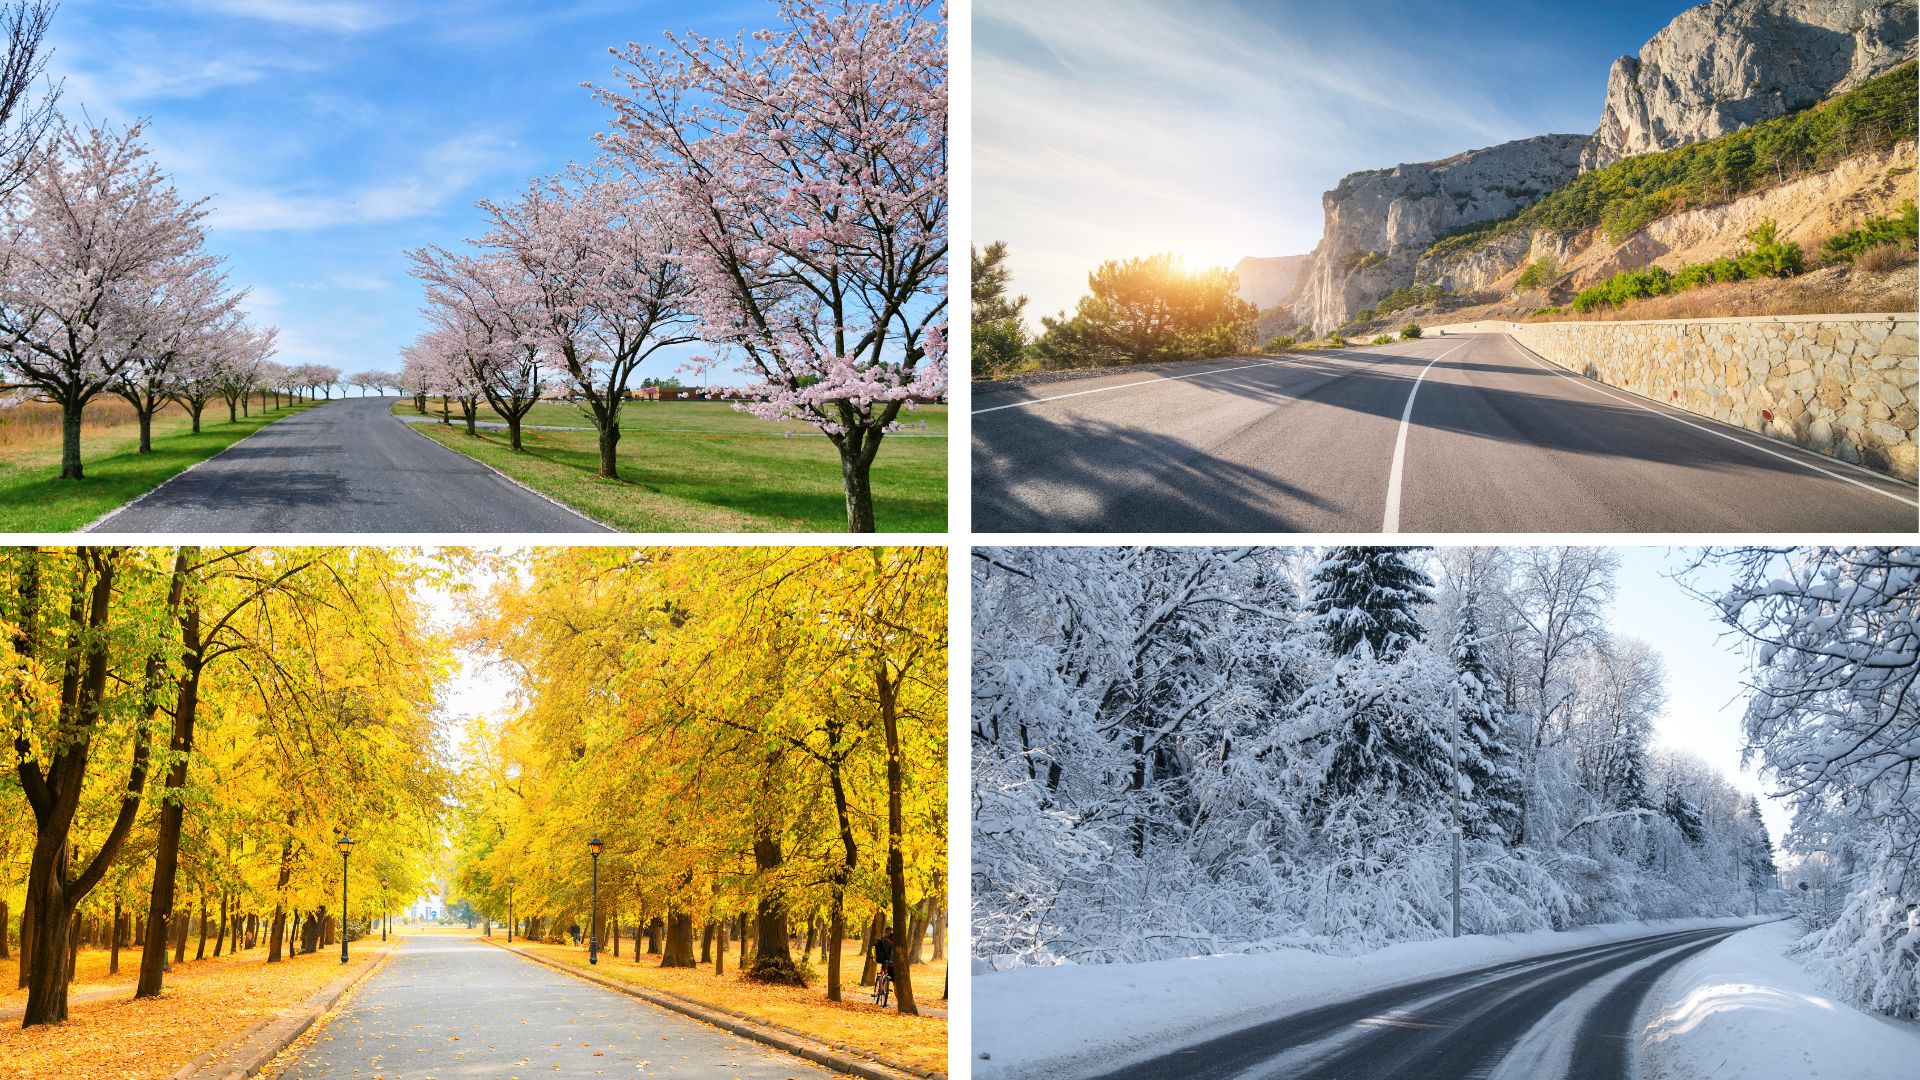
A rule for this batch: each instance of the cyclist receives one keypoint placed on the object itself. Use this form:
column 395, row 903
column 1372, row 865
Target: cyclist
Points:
column 883, row 966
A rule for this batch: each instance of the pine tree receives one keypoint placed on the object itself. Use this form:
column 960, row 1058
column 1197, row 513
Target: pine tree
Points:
column 1369, row 594
column 1490, row 784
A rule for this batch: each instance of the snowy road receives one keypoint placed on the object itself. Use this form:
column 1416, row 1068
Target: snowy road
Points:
column 1464, row 433
column 1569, row 1015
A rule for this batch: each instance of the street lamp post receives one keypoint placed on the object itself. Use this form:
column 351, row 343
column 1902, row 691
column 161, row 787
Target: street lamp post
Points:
column 346, row 849
column 593, row 916
column 383, row 909
column 510, row 880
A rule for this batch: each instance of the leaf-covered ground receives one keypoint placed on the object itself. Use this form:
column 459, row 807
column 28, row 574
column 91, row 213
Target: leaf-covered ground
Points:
column 918, row 1041
column 205, row 1005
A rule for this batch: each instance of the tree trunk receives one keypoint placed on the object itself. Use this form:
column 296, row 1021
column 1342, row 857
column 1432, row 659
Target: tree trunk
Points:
column 856, row 467
column 6, row 928
column 195, row 410
column 146, row 429
column 679, row 952
column 221, row 939
column 513, row 431
column 720, row 953
column 113, row 947
column 940, row 932
column 888, row 688
column 772, row 961
column 706, row 943
column 200, row 951
column 70, row 416
column 166, row 858
column 609, row 443
column 279, row 931
column 867, row 969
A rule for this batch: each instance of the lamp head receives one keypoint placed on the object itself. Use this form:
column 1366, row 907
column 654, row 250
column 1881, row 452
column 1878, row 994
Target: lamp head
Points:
column 345, row 843
column 593, row 845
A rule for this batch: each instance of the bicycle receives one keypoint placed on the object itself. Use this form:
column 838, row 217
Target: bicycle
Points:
column 882, row 984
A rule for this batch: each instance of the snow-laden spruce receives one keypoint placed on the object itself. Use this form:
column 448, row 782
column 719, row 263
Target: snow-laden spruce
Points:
column 1196, row 750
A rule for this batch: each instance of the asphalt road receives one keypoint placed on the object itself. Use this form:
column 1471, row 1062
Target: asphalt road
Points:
column 455, row 1007
column 1569, row 1016
column 348, row 466
column 1493, row 440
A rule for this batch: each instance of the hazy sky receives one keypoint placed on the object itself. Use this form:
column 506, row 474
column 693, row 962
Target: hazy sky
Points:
column 1706, row 695
column 1110, row 128
column 333, row 135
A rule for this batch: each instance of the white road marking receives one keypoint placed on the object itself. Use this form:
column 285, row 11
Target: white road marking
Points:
column 1392, row 522
column 1123, row 386
column 1593, row 386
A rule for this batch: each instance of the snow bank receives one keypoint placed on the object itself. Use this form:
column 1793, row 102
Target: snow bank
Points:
column 1080, row 1020
column 1744, row 1008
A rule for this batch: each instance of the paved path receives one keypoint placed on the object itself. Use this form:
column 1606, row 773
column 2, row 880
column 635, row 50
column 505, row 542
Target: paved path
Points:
column 1494, row 440
column 348, row 466
column 1570, row 1016
column 449, row 1007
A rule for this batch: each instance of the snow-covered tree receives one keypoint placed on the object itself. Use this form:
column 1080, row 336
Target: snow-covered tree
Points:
column 1833, row 638
column 1371, row 595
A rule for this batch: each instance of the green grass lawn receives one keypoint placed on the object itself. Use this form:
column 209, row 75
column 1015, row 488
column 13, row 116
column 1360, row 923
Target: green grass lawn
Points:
column 699, row 466
column 33, row 498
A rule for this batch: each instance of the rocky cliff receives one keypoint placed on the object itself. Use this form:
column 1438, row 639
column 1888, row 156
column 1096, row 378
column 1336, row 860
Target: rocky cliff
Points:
column 1269, row 283
column 1379, row 222
column 1728, row 64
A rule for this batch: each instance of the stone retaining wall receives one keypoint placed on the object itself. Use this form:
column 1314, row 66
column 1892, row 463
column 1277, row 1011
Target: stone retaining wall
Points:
column 1840, row 385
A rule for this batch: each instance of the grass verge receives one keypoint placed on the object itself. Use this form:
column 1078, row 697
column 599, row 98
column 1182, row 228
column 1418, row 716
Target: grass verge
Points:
column 917, row 1041
column 33, row 498
column 702, row 467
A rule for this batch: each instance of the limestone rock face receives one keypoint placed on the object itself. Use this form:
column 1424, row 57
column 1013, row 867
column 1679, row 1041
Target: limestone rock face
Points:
column 1728, row 64
column 1269, row 283
column 1378, row 222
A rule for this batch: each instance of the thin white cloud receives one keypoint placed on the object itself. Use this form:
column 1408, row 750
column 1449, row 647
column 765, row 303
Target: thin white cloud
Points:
column 339, row 16
column 442, row 175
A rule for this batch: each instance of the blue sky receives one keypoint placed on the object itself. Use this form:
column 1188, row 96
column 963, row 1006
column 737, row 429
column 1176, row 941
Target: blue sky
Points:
column 333, row 135
column 1110, row 128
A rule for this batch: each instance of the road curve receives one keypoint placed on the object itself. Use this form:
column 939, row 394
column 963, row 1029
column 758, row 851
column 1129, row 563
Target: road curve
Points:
column 1463, row 433
column 456, row 1007
column 348, row 466
column 1567, row 1016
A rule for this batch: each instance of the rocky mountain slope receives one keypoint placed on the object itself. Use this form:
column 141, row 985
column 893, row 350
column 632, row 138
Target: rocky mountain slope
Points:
column 1719, row 67
column 1729, row 64
column 1379, row 222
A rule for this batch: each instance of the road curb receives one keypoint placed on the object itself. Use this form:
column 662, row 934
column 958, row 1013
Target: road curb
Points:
column 256, row 1047
column 149, row 493
column 536, row 493
column 837, row 1056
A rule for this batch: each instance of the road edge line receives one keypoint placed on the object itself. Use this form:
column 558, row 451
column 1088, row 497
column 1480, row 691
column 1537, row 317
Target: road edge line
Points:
column 797, row 1043
column 317, row 1005
column 1647, row 404
column 147, row 494
column 581, row 514
column 1390, row 524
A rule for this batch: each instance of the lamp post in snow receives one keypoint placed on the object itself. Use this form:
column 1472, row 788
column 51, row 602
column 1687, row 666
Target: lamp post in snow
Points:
column 593, row 916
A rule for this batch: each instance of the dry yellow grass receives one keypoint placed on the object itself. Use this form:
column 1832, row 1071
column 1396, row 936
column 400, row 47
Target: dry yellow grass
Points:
column 917, row 1041
column 205, row 1005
